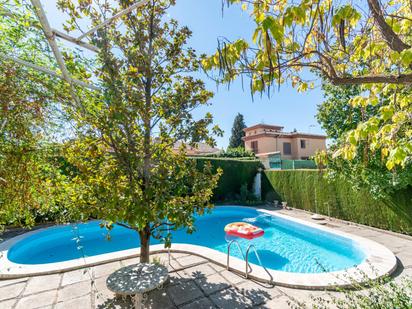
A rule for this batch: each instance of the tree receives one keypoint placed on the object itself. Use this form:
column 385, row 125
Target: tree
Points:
column 335, row 114
column 127, row 171
column 366, row 170
column 237, row 132
column 348, row 45
column 29, row 179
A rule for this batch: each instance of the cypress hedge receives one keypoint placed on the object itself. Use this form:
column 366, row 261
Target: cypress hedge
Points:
column 235, row 174
column 309, row 190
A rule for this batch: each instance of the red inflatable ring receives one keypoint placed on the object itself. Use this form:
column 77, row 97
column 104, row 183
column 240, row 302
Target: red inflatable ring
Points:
column 243, row 230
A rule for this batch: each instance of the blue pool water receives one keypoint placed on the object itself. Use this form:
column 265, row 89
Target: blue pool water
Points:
column 286, row 246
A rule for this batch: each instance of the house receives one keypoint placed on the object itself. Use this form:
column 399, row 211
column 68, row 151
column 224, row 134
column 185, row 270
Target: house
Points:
column 201, row 149
column 268, row 141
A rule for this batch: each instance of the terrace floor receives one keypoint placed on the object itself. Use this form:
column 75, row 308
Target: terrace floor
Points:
column 194, row 282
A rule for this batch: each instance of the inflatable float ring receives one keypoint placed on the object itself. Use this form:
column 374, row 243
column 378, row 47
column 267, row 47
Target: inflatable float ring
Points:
column 243, row 230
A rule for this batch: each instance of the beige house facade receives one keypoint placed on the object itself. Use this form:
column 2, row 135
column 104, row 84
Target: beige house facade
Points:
column 265, row 139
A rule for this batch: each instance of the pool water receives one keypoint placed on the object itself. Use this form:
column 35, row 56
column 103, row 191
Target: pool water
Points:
column 286, row 245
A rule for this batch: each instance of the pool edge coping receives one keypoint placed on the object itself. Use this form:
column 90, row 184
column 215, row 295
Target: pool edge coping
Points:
column 380, row 261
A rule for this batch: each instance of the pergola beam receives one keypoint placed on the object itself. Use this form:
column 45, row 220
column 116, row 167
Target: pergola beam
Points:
column 51, row 38
column 47, row 71
column 71, row 39
column 111, row 19
column 51, row 35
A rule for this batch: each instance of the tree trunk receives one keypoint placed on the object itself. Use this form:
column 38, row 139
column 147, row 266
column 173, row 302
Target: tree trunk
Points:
column 145, row 245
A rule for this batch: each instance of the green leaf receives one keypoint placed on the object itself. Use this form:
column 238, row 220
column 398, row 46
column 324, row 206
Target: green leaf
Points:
column 406, row 57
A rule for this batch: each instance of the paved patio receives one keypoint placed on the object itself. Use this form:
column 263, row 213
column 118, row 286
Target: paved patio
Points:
column 194, row 282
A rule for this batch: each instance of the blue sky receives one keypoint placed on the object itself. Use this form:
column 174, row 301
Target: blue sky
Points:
column 285, row 107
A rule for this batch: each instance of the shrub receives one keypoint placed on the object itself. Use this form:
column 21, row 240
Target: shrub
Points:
column 382, row 293
column 235, row 174
column 238, row 152
column 244, row 192
column 310, row 191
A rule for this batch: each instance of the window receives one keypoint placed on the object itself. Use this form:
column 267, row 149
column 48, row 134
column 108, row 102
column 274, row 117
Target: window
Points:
column 287, row 149
column 302, row 144
column 254, row 145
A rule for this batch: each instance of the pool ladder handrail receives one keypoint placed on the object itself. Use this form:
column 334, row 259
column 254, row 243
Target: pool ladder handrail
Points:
column 248, row 268
column 260, row 262
column 240, row 250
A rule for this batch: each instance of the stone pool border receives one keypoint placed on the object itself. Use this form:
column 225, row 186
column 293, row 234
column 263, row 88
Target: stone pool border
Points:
column 379, row 261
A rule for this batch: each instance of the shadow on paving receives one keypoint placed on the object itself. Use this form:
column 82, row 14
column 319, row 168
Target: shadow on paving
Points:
column 199, row 291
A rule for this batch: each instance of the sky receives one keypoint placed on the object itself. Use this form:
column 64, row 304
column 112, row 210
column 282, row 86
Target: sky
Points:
column 208, row 22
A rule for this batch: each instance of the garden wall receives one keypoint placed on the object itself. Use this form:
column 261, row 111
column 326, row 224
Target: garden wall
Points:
column 235, row 173
column 309, row 190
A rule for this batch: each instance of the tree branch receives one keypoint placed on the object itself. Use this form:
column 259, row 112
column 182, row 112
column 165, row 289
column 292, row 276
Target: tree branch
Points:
column 358, row 80
column 391, row 38
column 125, row 225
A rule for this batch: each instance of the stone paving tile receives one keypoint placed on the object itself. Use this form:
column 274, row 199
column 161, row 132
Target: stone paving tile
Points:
column 106, row 269
column 200, row 271
column 282, row 302
column 216, row 267
column 394, row 244
column 42, row 283
column 163, row 259
column 230, row 299
column 76, row 276
column 233, row 278
column 212, row 284
column 405, row 274
column 178, row 277
column 174, row 265
column 184, row 292
column 158, row 299
column 11, row 291
column 203, row 303
column 257, row 292
column 74, row 291
column 101, row 295
column 177, row 255
column 309, row 297
column 7, row 304
column 12, row 281
column 83, row 302
column 113, row 302
column 103, row 298
column 129, row 262
column 37, row 300
column 405, row 256
column 190, row 260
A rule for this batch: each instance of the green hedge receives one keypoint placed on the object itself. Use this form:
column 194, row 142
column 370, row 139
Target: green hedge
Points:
column 301, row 188
column 235, row 173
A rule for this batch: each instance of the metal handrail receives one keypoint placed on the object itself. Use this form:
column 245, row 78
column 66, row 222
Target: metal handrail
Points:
column 241, row 252
column 258, row 258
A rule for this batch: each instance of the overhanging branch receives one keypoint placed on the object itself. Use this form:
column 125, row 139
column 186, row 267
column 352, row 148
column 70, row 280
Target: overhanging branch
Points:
column 404, row 79
column 111, row 19
column 390, row 37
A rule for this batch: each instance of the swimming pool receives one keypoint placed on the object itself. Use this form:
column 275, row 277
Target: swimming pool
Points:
column 288, row 245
